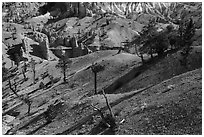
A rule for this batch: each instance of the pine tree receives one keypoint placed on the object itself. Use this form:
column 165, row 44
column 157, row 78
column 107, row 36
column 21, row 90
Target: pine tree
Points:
column 95, row 69
column 64, row 63
column 146, row 37
column 151, row 41
column 186, row 31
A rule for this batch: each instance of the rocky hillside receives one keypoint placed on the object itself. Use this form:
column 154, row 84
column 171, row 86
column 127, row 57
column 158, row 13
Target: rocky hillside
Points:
column 85, row 27
column 155, row 94
column 163, row 10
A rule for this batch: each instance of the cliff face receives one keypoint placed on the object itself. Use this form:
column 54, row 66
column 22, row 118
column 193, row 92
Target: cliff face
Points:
column 163, row 10
column 43, row 45
column 95, row 25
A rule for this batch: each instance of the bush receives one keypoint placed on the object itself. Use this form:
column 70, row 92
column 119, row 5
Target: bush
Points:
column 160, row 43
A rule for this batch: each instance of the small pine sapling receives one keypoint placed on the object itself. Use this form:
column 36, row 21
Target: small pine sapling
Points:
column 109, row 119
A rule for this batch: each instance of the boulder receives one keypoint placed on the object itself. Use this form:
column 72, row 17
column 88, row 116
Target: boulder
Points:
column 42, row 49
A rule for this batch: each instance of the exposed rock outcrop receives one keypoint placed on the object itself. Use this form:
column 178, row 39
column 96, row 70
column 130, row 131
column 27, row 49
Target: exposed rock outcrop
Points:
column 42, row 49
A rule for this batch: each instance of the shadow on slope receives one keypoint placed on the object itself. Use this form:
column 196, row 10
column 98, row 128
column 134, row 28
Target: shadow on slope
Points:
column 164, row 69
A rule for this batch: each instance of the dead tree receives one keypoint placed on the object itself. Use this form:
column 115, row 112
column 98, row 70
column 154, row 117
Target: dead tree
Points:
column 24, row 70
column 107, row 103
column 109, row 119
column 95, row 69
column 25, row 99
column 13, row 87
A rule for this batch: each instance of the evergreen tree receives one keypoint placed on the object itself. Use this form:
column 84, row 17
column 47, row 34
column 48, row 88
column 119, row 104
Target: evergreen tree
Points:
column 64, row 63
column 186, row 31
column 151, row 41
column 146, row 38
column 95, row 69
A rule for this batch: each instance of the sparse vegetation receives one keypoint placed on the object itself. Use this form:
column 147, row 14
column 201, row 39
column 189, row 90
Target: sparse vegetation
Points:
column 50, row 113
column 64, row 63
column 13, row 87
column 109, row 119
column 71, row 50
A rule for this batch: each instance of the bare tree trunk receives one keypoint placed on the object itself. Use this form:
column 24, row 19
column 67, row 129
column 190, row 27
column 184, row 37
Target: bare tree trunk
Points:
column 13, row 89
column 108, row 105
